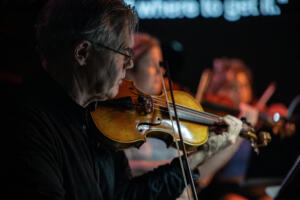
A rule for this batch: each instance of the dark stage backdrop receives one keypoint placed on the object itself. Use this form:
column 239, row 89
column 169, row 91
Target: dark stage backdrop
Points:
column 269, row 45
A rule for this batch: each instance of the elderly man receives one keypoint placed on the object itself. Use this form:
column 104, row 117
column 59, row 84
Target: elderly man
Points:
column 86, row 48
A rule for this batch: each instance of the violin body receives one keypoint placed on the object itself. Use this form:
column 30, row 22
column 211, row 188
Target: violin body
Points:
column 132, row 116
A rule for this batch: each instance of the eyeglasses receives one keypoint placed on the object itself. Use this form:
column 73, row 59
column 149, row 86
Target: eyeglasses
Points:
column 128, row 57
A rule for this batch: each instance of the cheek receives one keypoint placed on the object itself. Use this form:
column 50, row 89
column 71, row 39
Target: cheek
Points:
column 152, row 71
column 104, row 77
column 151, row 75
column 116, row 74
column 115, row 71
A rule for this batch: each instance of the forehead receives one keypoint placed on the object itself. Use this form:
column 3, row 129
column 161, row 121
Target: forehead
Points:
column 155, row 51
column 242, row 78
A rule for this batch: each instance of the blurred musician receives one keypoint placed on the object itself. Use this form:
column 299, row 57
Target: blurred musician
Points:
column 230, row 85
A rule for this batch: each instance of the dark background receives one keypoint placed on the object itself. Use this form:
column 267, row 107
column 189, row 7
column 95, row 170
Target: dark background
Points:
column 269, row 45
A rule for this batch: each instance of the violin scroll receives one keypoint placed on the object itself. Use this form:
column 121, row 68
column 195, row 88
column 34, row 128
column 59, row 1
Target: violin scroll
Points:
column 261, row 139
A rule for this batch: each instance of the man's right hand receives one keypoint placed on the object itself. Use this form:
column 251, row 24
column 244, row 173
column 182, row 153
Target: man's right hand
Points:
column 215, row 142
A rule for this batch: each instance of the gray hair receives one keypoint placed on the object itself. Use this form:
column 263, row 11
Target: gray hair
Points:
column 63, row 23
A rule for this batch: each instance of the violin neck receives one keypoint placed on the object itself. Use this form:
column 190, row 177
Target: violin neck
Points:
column 220, row 108
column 215, row 122
column 195, row 116
column 195, row 119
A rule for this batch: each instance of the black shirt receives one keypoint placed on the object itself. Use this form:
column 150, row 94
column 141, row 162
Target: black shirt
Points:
column 52, row 153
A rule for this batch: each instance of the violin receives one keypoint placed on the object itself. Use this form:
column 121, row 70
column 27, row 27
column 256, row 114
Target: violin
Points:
column 138, row 116
column 222, row 105
column 272, row 116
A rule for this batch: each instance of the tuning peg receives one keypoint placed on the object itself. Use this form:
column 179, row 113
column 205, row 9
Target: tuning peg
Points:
column 264, row 138
column 254, row 145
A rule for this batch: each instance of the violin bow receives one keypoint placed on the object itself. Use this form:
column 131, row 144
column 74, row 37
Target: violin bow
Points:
column 292, row 106
column 165, row 64
column 203, row 83
column 266, row 95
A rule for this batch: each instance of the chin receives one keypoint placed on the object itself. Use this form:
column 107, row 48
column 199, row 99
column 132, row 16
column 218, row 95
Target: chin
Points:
column 113, row 92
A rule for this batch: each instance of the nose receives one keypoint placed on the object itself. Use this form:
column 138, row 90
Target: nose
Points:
column 163, row 71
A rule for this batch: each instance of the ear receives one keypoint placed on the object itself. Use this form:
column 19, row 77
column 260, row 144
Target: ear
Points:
column 81, row 52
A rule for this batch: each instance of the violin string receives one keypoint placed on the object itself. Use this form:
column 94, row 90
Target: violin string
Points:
column 182, row 119
column 197, row 115
column 161, row 100
column 189, row 109
column 195, row 112
column 198, row 112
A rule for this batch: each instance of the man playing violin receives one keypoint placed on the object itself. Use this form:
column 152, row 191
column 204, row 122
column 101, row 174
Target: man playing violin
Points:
column 52, row 148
